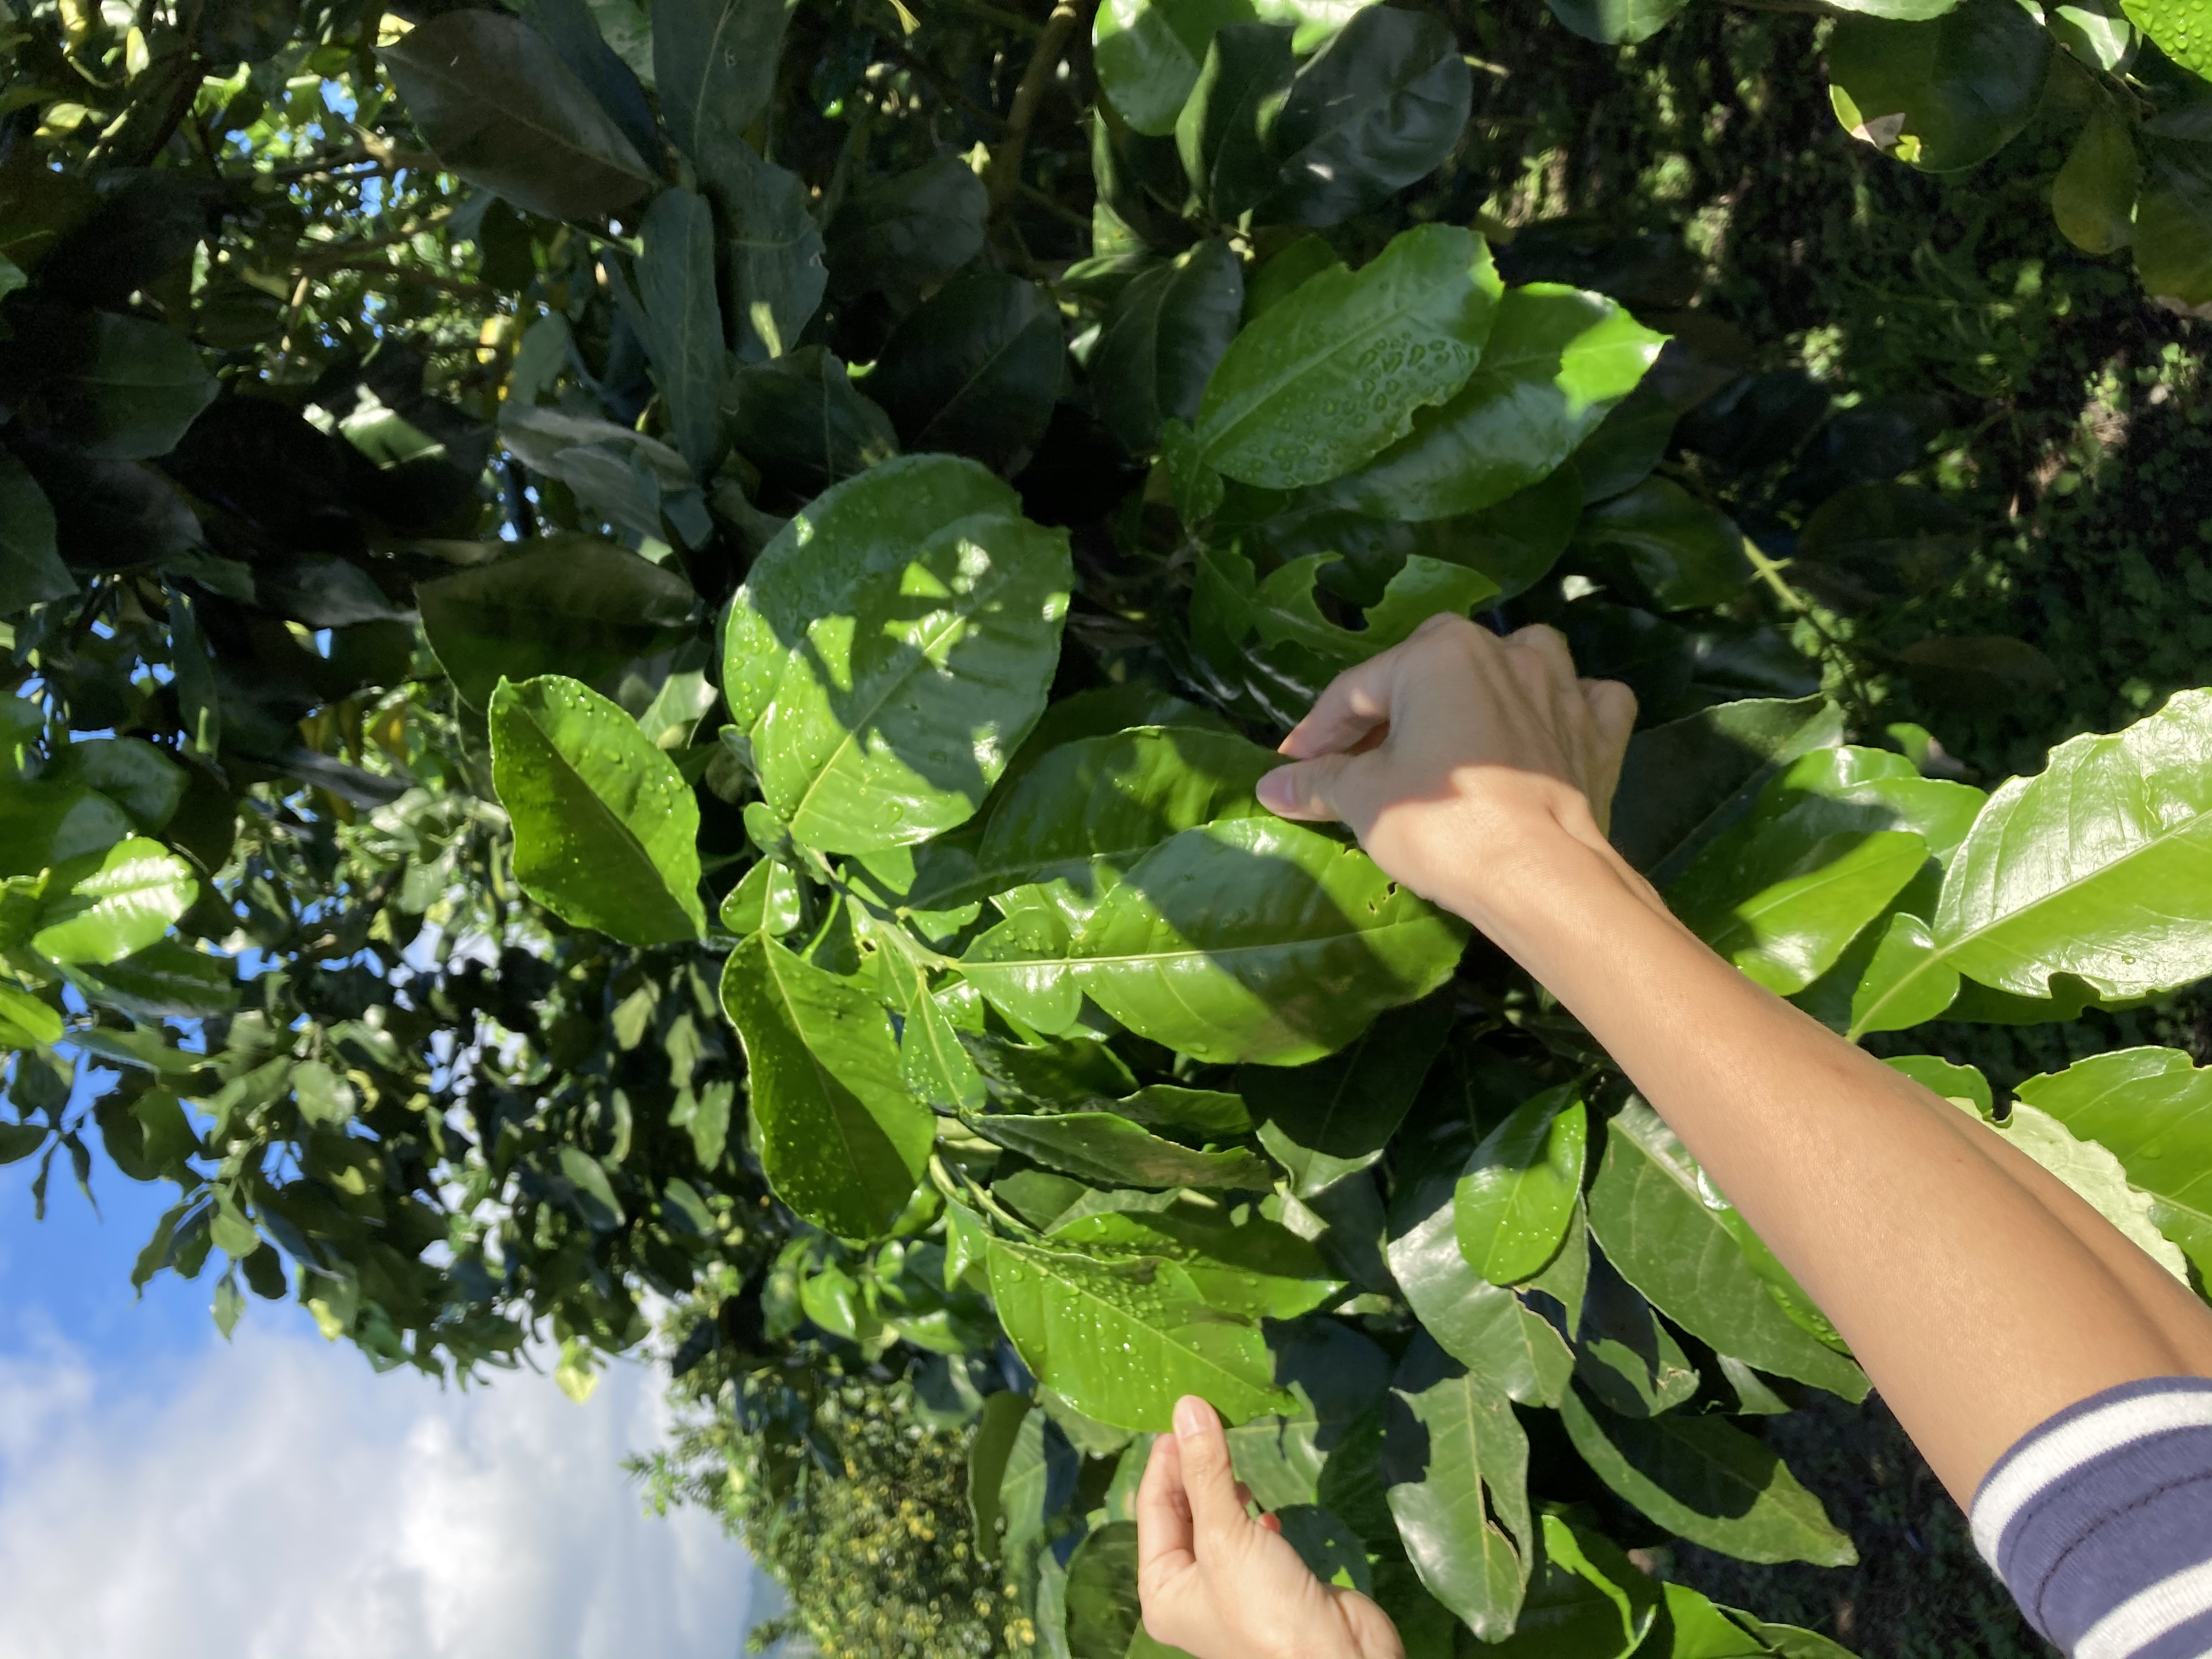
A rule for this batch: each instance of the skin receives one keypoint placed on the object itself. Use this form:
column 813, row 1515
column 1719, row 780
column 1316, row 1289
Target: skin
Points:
column 1981, row 1295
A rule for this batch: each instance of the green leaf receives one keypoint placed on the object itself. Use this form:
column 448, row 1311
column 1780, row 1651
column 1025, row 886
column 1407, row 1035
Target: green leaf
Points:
column 1082, row 815
column 1906, row 981
column 575, row 34
column 1223, row 134
column 1512, row 1205
column 893, row 645
column 1616, row 23
column 1684, row 782
column 1452, row 1442
column 1707, row 1481
column 1148, row 54
column 1515, row 543
column 103, row 915
column 1556, row 361
column 804, row 423
column 1692, row 1627
column 1686, row 553
column 1663, row 1227
column 1378, row 107
column 2090, row 867
column 594, row 1193
column 1281, row 610
column 1623, row 1353
column 1252, row 939
column 1102, row 1147
column 24, row 1023
column 2095, row 1176
column 2178, row 28
column 328, row 1101
column 1253, row 1266
column 975, row 370
column 1160, row 344
column 1212, row 1114
column 605, row 825
column 1021, row 966
column 714, row 66
column 1332, row 375
column 1103, row 1616
column 1829, row 842
column 1943, row 96
column 1123, row 1341
column 31, row 567
column 1332, row 1118
column 621, row 475
column 1513, row 1350
column 129, row 390
column 989, row 1452
column 44, row 823
column 777, row 273
column 676, row 312
column 130, row 772
column 1585, row 1599
column 568, row 604
column 2092, row 198
column 841, row 1140
column 910, row 229
column 2152, row 1109
column 499, row 108
column 2173, row 227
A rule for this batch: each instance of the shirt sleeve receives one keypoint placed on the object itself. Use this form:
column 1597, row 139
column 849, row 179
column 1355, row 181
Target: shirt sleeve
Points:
column 2100, row 1522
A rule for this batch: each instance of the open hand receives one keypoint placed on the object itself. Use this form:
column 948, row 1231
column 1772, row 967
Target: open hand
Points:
column 1221, row 1584
column 1452, row 753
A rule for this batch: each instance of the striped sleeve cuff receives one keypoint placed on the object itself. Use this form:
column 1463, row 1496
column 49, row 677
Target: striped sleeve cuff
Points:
column 2100, row 1523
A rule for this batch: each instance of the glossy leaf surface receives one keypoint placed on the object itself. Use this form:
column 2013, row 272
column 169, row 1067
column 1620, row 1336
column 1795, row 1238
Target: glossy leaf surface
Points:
column 1556, row 361
column 1123, row 1341
column 1252, row 939
column 2087, row 868
column 842, row 1141
column 1708, row 1481
column 1333, row 375
column 499, row 106
column 1511, row 1208
column 605, row 829
column 1662, row 1226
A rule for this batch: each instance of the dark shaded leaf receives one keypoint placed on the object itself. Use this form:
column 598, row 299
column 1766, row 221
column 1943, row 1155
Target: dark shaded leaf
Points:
column 499, row 108
column 1379, row 106
column 975, row 370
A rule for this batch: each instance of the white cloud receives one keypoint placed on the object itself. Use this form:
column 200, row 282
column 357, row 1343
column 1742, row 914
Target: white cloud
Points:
column 274, row 1499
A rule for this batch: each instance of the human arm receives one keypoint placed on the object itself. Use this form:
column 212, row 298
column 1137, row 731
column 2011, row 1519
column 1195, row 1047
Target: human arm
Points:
column 1981, row 1293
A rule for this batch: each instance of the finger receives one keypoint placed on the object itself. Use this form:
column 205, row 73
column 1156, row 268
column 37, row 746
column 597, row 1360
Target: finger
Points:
column 1163, row 1525
column 1612, row 715
column 1547, row 646
column 1243, row 1494
column 1312, row 790
column 1353, row 704
column 1207, row 1479
column 1271, row 1522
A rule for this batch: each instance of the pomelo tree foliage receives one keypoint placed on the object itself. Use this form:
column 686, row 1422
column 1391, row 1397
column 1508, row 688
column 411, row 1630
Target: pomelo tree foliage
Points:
column 640, row 639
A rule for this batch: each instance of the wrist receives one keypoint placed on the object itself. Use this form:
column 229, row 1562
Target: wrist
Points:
column 1524, row 886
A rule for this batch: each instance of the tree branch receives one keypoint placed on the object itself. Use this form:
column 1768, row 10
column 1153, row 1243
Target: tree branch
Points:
column 1006, row 159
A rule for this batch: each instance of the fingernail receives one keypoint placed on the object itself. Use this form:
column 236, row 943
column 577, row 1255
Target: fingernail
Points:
column 1273, row 790
column 1189, row 1416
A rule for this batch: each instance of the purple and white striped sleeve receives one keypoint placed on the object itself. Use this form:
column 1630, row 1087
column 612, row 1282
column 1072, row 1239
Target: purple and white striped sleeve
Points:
column 2100, row 1522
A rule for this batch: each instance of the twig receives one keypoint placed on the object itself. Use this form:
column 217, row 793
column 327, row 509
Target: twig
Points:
column 1055, row 207
column 1044, row 62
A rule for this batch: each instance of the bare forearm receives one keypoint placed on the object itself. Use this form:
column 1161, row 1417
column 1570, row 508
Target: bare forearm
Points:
column 1980, row 1294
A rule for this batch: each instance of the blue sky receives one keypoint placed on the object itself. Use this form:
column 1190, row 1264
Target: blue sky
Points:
column 164, row 1491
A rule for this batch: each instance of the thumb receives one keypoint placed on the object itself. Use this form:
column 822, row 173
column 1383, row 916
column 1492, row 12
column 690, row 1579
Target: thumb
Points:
column 1305, row 789
column 1208, row 1482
